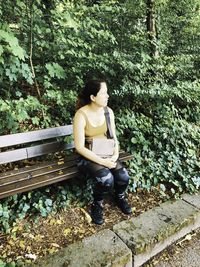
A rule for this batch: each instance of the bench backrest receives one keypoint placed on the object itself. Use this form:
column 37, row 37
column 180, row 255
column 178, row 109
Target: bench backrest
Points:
column 31, row 139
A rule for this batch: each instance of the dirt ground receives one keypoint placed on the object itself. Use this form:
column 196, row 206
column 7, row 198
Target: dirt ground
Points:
column 30, row 240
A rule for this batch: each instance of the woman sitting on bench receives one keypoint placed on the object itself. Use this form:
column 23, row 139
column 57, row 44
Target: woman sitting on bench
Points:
column 90, row 122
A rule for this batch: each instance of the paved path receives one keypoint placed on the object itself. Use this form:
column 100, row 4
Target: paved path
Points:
column 183, row 254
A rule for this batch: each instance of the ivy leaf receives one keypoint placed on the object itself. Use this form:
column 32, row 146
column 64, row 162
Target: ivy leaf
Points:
column 70, row 22
column 48, row 202
column 35, row 120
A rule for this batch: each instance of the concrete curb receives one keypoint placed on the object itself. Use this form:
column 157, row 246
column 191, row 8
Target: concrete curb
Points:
column 135, row 241
column 103, row 249
column 154, row 230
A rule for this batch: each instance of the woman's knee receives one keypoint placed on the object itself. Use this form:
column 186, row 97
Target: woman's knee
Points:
column 121, row 176
column 105, row 179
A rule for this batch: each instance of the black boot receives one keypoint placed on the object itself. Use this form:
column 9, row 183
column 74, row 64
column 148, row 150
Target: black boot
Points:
column 123, row 205
column 97, row 213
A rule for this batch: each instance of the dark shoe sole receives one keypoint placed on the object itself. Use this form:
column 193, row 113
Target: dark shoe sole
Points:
column 97, row 222
column 126, row 212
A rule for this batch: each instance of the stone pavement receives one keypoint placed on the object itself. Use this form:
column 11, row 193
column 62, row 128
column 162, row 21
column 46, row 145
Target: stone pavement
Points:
column 132, row 242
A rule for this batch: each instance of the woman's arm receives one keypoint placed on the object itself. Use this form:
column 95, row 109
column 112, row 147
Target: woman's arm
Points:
column 79, row 142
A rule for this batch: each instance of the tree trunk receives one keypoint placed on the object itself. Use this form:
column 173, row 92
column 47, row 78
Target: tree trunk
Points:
column 151, row 28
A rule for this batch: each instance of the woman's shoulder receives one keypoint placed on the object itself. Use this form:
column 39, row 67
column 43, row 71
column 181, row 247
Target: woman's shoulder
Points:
column 81, row 112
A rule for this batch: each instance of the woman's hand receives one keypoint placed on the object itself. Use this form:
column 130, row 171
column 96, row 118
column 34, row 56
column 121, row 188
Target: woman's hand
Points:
column 109, row 163
column 114, row 158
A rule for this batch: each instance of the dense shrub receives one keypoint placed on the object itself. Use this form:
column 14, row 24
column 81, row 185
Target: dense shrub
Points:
column 162, row 132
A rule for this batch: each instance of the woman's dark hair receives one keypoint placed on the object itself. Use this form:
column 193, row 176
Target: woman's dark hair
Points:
column 91, row 87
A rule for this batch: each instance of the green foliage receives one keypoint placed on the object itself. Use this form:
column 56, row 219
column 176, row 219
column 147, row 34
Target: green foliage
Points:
column 11, row 45
column 26, row 113
column 13, row 67
column 53, row 47
column 55, row 70
column 163, row 136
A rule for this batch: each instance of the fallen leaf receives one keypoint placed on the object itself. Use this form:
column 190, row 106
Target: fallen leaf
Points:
column 54, row 222
column 31, row 236
column 11, row 242
column 67, row 231
column 39, row 238
column 22, row 244
column 87, row 216
column 31, row 256
column 133, row 209
column 60, row 162
column 52, row 250
column 15, row 229
column 188, row 237
column 81, row 231
column 59, row 222
column 8, row 247
column 28, row 248
column 55, row 245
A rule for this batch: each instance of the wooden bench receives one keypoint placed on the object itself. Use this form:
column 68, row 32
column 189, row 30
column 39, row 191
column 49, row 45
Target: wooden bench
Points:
column 27, row 145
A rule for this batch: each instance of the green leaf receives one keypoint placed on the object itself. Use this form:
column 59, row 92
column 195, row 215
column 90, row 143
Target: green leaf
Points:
column 55, row 70
column 2, row 263
column 1, row 50
column 18, row 51
column 48, row 202
column 8, row 37
column 35, row 120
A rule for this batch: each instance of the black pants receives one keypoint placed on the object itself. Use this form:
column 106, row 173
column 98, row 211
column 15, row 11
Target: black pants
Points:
column 106, row 179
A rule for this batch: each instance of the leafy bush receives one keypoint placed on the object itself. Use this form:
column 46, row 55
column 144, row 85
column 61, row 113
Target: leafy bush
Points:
column 21, row 114
column 162, row 133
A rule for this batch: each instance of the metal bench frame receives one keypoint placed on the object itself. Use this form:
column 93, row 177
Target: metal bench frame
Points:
column 40, row 174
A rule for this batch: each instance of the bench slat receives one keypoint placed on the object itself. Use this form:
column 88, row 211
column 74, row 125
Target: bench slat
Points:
column 11, row 156
column 23, row 186
column 124, row 156
column 34, row 151
column 32, row 174
column 39, row 166
column 47, row 148
column 32, row 136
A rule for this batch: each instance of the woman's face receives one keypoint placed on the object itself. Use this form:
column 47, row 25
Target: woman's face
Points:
column 101, row 99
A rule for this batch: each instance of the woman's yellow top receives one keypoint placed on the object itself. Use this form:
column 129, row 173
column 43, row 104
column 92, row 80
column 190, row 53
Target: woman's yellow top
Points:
column 94, row 131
